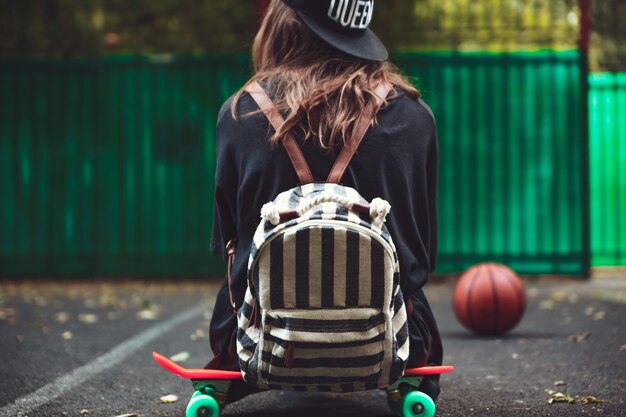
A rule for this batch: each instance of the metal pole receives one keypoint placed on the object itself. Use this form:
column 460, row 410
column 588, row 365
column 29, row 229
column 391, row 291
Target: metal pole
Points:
column 583, row 47
column 585, row 25
column 262, row 8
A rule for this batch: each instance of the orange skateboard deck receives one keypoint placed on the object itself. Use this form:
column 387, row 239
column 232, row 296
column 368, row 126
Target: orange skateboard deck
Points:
column 212, row 385
column 196, row 374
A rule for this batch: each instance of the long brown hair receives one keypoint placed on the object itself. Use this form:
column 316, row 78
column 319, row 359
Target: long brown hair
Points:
column 320, row 90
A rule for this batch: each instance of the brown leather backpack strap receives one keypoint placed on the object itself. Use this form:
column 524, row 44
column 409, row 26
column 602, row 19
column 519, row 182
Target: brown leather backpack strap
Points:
column 346, row 154
column 294, row 152
column 231, row 250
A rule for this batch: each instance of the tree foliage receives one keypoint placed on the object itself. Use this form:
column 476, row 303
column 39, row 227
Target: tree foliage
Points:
column 67, row 28
column 608, row 38
column 496, row 25
column 64, row 28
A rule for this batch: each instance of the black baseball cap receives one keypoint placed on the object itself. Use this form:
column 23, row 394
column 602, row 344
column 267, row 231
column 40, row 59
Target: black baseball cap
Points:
column 343, row 24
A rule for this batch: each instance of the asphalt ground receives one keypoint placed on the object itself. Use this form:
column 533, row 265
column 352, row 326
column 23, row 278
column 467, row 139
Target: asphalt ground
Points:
column 84, row 349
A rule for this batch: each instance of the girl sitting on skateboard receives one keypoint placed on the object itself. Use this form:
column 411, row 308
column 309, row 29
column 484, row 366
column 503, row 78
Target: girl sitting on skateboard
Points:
column 320, row 64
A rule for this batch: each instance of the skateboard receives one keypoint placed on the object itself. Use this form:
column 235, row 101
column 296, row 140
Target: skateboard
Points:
column 211, row 388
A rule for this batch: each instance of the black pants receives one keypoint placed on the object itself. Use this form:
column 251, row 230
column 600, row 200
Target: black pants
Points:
column 425, row 342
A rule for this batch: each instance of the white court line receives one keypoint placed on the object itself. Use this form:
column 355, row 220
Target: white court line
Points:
column 78, row 376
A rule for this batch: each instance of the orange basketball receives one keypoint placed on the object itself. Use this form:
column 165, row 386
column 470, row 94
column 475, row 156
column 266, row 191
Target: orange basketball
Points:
column 489, row 299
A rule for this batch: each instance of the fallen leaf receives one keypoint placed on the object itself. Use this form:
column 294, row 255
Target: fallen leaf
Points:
column 591, row 399
column 147, row 315
column 599, row 315
column 559, row 397
column 559, row 383
column 84, row 411
column 622, row 348
column 198, row 335
column 572, row 298
column 589, row 311
column 547, row 305
column 532, row 292
column 61, row 317
column 168, row 399
column 41, row 302
column 610, row 295
column 108, row 301
column 67, row 335
column 129, row 415
column 180, row 357
column 577, row 338
column 9, row 315
column 87, row 318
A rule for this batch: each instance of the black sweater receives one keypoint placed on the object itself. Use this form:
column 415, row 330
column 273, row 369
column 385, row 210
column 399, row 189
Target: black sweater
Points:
column 397, row 161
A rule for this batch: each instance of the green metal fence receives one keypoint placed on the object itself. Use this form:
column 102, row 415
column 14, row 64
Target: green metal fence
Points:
column 511, row 150
column 106, row 165
column 607, row 108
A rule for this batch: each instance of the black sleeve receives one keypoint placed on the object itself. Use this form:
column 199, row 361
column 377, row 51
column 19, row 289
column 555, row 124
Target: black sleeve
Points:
column 432, row 181
column 432, row 178
column 225, row 204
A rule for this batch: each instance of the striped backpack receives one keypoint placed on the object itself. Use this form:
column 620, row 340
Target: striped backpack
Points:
column 323, row 310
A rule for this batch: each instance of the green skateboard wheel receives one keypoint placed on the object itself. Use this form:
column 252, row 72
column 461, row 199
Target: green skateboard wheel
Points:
column 417, row 404
column 202, row 405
